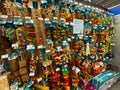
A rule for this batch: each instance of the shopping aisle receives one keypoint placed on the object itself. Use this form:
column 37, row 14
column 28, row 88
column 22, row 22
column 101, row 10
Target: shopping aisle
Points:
column 116, row 86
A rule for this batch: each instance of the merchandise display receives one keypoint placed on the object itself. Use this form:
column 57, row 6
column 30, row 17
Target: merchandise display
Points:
column 56, row 45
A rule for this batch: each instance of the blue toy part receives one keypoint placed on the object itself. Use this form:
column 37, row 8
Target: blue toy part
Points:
column 68, row 6
column 49, row 3
column 56, row 2
column 43, row 4
column 35, row 5
column 87, row 26
column 19, row 1
column 45, row 56
column 26, row 88
column 29, row 83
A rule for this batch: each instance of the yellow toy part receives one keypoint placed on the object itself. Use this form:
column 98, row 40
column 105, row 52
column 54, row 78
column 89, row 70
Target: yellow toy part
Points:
column 67, row 88
column 42, row 87
column 75, row 84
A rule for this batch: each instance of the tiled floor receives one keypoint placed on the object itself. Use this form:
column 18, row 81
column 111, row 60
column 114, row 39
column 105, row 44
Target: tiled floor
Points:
column 116, row 86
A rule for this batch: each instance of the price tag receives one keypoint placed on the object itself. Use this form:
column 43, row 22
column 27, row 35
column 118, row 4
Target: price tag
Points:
column 40, row 19
column 4, row 56
column 80, row 36
column 67, row 23
column 76, row 69
column 47, row 19
column 71, row 23
column 76, row 3
column 40, row 46
column 18, row 23
column 57, row 69
column 47, row 51
column 4, row 16
column 55, row 18
column 39, row 79
column 27, row 17
column 63, row 19
column 78, row 26
column 15, row 46
column 73, row 37
column 32, row 74
column 30, row 47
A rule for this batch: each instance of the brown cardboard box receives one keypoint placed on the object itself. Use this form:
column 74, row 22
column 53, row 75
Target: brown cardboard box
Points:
column 25, row 77
column 22, row 63
column 16, row 73
column 18, row 79
column 4, row 85
column 23, row 71
column 13, row 64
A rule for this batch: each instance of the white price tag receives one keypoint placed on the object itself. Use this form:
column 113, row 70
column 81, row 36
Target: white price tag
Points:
column 15, row 46
column 47, row 51
column 67, row 23
column 40, row 46
column 63, row 19
column 80, row 36
column 4, row 16
column 47, row 19
column 18, row 23
column 30, row 47
column 12, row 58
column 40, row 18
column 71, row 23
column 55, row 18
column 76, row 69
column 57, row 69
column 4, row 56
column 27, row 17
column 32, row 21
column 39, row 79
column 32, row 74
column 76, row 3
column 69, row 39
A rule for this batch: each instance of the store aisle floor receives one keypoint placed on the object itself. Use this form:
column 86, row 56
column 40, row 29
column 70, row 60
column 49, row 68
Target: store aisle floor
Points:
column 116, row 86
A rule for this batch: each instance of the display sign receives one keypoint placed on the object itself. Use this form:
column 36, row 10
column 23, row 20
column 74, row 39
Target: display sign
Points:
column 78, row 26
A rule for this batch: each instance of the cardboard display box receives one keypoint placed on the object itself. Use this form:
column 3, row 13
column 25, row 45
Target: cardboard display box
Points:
column 16, row 73
column 25, row 77
column 22, row 63
column 23, row 71
column 13, row 64
column 18, row 79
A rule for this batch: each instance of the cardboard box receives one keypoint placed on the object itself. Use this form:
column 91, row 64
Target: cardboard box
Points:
column 4, row 85
column 18, row 79
column 16, row 73
column 13, row 64
column 25, row 77
column 23, row 71
column 22, row 63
